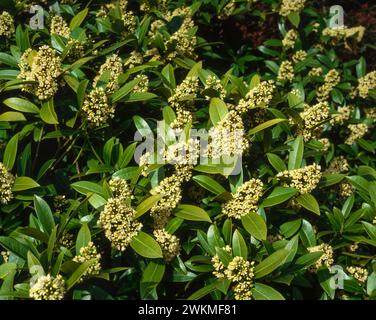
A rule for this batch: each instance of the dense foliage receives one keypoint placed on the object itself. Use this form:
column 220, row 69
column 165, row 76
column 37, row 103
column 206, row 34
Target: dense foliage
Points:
column 82, row 217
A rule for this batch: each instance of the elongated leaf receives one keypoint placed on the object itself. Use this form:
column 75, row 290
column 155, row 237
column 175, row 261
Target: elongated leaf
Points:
column 296, row 155
column 192, row 213
column 10, row 152
column 83, row 238
column 147, row 204
column 265, row 125
column 209, row 184
column 44, row 214
column 255, row 225
column 217, row 110
column 21, row 105
column 146, row 246
column 263, row 292
column 24, row 183
column 239, row 246
column 309, row 202
column 279, row 195
column 271, row 263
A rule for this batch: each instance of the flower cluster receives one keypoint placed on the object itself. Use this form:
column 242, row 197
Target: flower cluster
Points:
column 42, row 67
column 346, row 189
column 327, row 257
column 332, row 78
column 343, row 114
column 48, row 288
column 59, row 27
column 360, row 274
column 313, row 118
column 134, row 59
column 338, row 165
column 241, row 272
column 342, row 33
column 6, row 24
column 120, row 189
column 299, row 55
column 290, row 39
column 316, row 72
column 183, row 101
column 289, row 6
column 244, row 200
column 227, row 137
column 169, row 243
column 215, row 84
column 143, row 85
column 304, row 179
column 112, row 68
column 367, row 83
column 258, row 97
column 88, row 253
column 97, row 107
column 6, row 184
column 218, row 265
column 357, row 131
column 286, row 71
column 119, row 223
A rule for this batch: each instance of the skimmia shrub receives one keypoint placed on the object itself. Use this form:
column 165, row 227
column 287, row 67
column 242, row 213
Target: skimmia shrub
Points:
column 196, row 149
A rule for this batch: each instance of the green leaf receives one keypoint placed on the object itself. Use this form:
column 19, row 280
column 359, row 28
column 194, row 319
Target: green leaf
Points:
column 265, row 125
column 279, row 195
column 294, row 18
column 79, row 273
column 203, row 291
column 276, row 162
column 146, row 246
column 239, row 246
column 6, row 268
column 47, row 113
column 139, row 96
column 371, row 230
column 296, row 155
column 209, row 184
column 331, row 179
column 142, row 126
column 24, row 183
column 271, row 263
column 44, row 214
column 152, row 275
column 12, row 116
column 263, row 292
column 124, row 90
column 217, row 110
column 78, row 19
column 21, row 105
column 14, row 246
column 288, row 229
column 255, row 225
column 192, row 213
column 10, row 152
column 309, row 202
column 83, row 238
column 127, row 155
column 147, row 204
column 87, row 187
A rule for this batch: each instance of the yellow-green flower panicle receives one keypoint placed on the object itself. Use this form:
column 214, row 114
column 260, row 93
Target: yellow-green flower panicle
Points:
column 360, row 274
column 332, row 78
column 119, row 223
column 169, row 243
column 88, row 253
column 113, row 66
column 48, row 288
column 290, row 6
column 120, row 189
column 290, row 39
column 357, row 131
column 6, row 184
column 97, row 107
column 43, row 67
column 6, row 25
column 326, row 259
column 304, row 179
column 244, row 200
column 313, row 118
column 367, row 83
column 286, row 71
